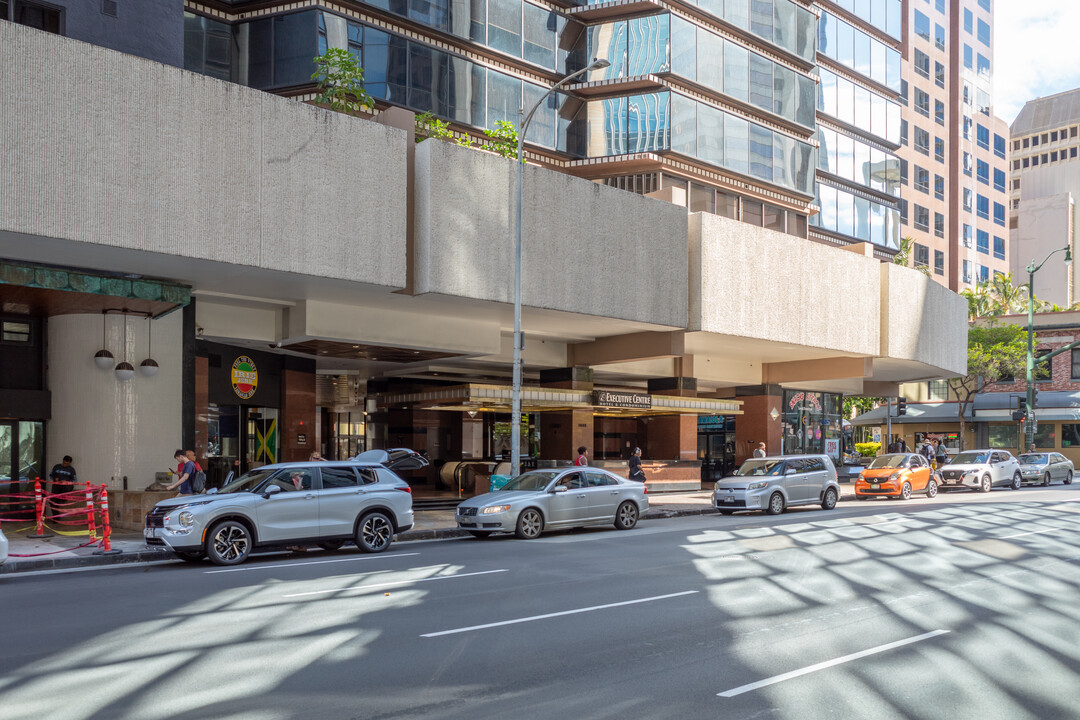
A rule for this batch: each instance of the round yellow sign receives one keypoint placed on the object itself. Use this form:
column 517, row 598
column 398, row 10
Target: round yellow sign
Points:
column 245, row 377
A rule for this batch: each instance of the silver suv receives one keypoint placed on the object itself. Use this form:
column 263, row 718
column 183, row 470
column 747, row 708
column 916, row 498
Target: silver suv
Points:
column 775, row 483
column 317, row 503
column 981, row 470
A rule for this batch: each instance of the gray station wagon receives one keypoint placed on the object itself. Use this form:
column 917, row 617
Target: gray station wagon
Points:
column 309, row 503
column 775, row 483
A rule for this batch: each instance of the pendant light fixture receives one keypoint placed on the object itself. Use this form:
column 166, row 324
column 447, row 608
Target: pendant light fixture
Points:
column 149, row 366
column 124, row 370
column 104, row 359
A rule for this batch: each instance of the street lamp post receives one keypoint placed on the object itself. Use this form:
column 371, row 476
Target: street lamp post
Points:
column 523, row 126
column 1032, row 268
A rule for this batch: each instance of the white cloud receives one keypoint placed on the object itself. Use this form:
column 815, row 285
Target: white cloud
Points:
column 1037, row 51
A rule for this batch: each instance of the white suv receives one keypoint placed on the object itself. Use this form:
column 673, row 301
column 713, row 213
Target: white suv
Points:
column 981, row 470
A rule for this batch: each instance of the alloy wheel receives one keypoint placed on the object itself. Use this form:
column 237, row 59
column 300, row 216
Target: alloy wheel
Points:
column 376, row 533
column 230, row 543
column 626, row 516
column 530, row 524
column 905, row 491
column 985, row 484
column 931, row 488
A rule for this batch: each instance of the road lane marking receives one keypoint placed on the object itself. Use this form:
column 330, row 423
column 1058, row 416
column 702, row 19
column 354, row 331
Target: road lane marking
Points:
column 557, row 614
column 1033, row 532
column 828, row 664
column 392, row 584
column 312, row 562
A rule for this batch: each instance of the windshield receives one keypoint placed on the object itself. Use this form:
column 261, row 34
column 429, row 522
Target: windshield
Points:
column 248, row 481
column 535, row 480
column 888, row 461
column 1033, row 459
column 971, row 458
column 760, row 467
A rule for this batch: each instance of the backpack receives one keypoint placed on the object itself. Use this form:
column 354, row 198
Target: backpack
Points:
column 927, row 451
column 198, row 482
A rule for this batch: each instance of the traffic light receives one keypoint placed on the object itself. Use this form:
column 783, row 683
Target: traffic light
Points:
column 1021, row 409
column 901, row 406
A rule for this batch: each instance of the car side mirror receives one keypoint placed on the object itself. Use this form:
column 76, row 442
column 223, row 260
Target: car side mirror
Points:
column 212, row 491
column 559, row 489
column 271, row 490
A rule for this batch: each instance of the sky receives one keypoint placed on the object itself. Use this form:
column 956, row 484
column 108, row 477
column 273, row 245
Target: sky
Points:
column 1037, row 51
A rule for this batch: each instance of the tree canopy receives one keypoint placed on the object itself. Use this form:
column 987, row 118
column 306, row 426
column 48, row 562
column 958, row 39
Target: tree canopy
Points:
column 996, row 354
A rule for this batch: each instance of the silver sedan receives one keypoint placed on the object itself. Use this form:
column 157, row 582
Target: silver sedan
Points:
column 555, row 498
column 1045, row 468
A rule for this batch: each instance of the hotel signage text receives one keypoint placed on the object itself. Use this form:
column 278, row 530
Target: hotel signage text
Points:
column 606, row 398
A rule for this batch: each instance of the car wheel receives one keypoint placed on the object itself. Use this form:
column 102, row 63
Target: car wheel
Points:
column 829, row 501
column 480, row 533
column 375, row 533
column 626, row 516
column 228, row 543
column 984, row 484
column 1017, row 480
column 530, row 524
column 1068, row 478
column 905, row 491
column 190, row 555
column 1046, row 479
column 931, row 488
column 776, row 504
column 331, row 545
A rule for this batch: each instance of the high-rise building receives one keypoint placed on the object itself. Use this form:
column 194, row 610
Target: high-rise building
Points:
column 1043, row 188
column 954, row 150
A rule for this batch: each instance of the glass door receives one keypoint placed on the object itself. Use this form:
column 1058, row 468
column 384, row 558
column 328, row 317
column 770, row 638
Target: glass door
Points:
column 261, row 437
column 21, row 461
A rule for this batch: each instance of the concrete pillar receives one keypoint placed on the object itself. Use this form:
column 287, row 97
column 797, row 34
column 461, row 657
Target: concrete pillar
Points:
column 756, row 424
column 562, row 433
column 297, row 415
column 672, row 437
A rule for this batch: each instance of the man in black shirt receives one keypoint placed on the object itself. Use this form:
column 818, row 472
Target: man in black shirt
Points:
column 63, row 477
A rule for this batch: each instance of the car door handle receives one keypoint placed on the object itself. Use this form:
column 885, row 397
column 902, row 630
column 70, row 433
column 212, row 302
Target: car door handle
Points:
column 614, row 492
column 361, row 492
column 309, row 496
column 581, row 496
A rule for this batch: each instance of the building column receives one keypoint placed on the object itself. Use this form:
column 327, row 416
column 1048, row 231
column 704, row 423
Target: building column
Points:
column 297, row 424
column 562, row 433
column 756, row 424
column 672, row 437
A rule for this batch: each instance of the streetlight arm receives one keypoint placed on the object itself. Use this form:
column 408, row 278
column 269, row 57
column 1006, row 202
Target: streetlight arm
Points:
column 1033, row 268
column 553, row 88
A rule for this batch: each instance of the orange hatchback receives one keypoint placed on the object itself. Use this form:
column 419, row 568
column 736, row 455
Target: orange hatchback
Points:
column 896, row 475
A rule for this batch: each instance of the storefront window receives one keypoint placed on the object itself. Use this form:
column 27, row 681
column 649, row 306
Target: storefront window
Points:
column 1004, row 437
column 811, row 423
column 952, row 440
column 1046, row 436
column 1070, row 435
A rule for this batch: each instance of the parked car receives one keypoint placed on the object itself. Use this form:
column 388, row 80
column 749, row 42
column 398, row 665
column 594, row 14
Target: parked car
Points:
column 1045, row 468
column 3, row 548
column 555, row 498
column 289, row 504
column 981, row 470
column 896, row 475
column 775, row 483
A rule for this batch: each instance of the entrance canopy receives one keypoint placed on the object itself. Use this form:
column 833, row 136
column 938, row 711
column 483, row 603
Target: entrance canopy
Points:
column 498, row 398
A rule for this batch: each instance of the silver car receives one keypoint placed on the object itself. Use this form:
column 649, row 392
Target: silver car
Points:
column 1045, row 468
column 555, row 498
column 981, row 470
column 317, row 503
column 3, row 548
column 775, row 483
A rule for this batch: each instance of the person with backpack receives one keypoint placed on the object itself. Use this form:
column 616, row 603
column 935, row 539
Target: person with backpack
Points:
column 185, row 474
column 927, row 451
column 198, row 480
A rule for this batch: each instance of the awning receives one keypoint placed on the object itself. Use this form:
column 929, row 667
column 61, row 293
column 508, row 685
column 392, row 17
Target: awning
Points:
column 916, row 413
column 477, row 398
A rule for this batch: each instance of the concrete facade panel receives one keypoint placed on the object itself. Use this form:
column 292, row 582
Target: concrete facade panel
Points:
column 144, row 156
column 922, row 321
column 586, row 248
column 755, row 283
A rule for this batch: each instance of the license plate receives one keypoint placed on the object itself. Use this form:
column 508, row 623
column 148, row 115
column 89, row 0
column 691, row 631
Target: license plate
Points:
column 874, row 487
column 729, row 499
column 148, row 532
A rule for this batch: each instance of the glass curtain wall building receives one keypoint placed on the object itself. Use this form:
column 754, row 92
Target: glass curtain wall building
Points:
column 859, row 123
column 716, row 100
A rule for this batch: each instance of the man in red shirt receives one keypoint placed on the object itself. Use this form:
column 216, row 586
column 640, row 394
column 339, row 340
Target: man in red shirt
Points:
column 582, row 457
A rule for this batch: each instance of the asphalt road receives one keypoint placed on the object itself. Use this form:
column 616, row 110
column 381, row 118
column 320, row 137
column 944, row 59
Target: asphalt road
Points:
column 965, row 606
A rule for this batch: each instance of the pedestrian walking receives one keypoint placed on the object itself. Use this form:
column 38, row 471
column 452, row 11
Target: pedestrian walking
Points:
column 184, row 474
column 941, row 454
column 760, row 452
column 582, row 457
column 636, row 472
column 927, row 451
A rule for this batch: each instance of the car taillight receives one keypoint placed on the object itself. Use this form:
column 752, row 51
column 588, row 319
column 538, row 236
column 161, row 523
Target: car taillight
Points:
column 645, row 488
column 405, row 489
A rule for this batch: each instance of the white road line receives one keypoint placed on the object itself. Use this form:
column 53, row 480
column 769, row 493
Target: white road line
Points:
column 828, row 664
column 1033, row 532
column 557, row 614
column 392, row 584
column 313, row 562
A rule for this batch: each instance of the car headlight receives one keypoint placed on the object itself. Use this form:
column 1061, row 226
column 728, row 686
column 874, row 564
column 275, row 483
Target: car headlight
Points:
column 492, row 509
column 894, row 476
column 185, row 519
column 757, row 485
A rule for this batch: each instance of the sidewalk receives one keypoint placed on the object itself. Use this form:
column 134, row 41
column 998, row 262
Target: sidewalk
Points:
column 63, row 551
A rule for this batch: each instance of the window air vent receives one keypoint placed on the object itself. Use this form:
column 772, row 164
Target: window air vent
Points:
column 109, row 7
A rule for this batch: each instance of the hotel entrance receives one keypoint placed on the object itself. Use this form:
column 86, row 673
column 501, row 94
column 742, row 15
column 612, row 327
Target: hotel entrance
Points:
column 716, row 446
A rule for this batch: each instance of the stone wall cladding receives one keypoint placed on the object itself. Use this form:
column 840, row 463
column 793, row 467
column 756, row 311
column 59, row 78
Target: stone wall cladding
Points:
column 586, row 248
column 747, row 281
column 235, row 175
column 1061, row 378
column 922, row 320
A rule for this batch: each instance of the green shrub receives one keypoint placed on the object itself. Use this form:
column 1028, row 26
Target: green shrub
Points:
column 869, row 449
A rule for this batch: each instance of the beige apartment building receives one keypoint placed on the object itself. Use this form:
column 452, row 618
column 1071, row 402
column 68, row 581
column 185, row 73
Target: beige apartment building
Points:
column 954, row 151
